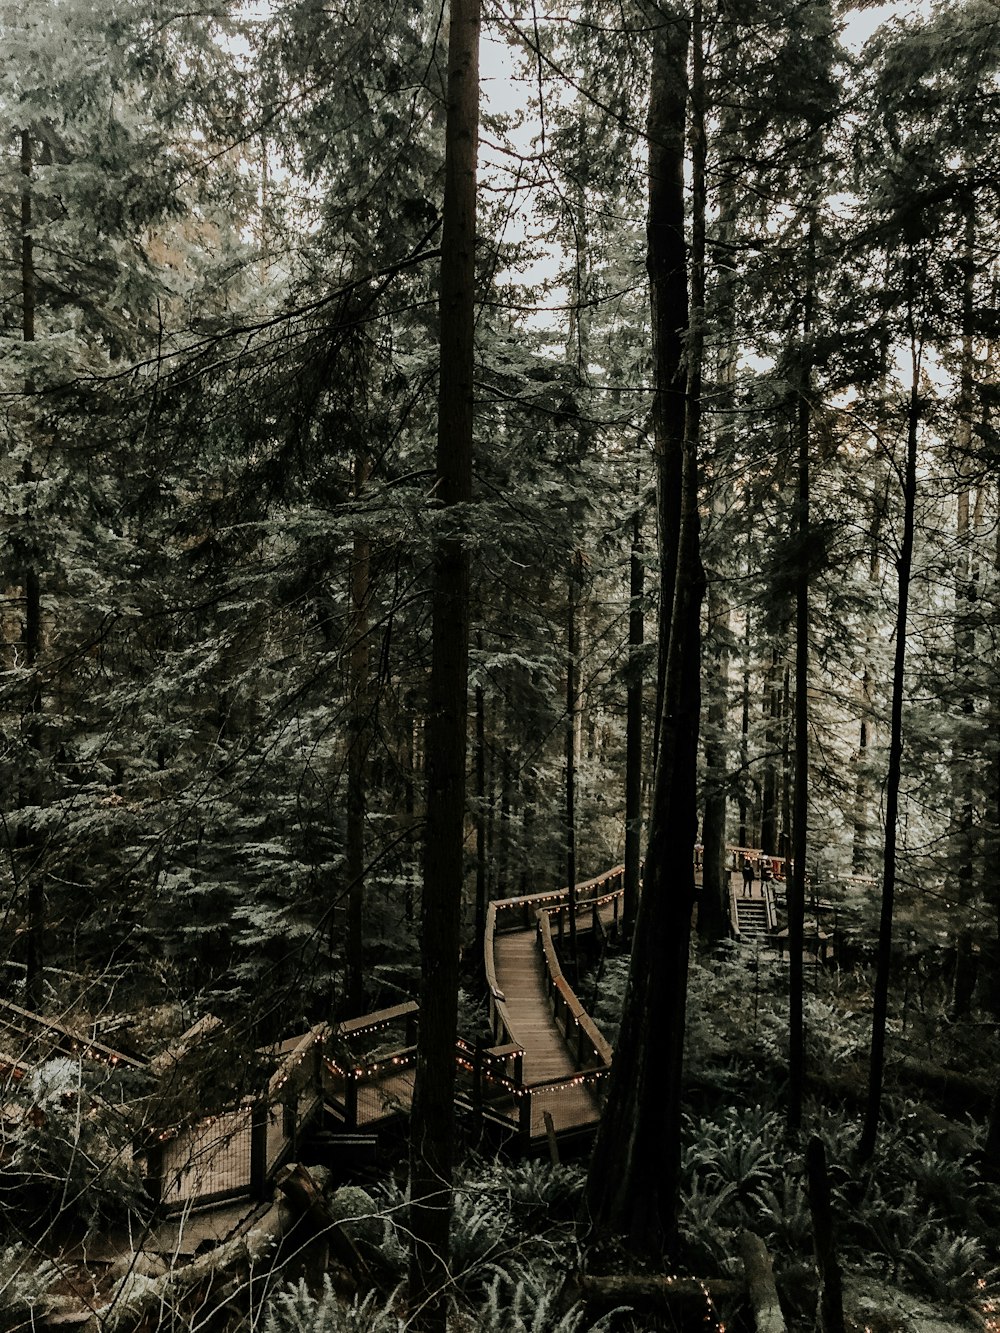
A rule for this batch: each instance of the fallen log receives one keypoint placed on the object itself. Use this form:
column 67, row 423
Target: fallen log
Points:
column 760, row 1280
column 686, row 1297
column 302, row 1192
column 138, row 1299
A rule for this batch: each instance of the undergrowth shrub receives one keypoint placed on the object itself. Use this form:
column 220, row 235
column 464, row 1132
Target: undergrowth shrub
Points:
column 24, row 1285
column 296, row 1310
column 525, row 1305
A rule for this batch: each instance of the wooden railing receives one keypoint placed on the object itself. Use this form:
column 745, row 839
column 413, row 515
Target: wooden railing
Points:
column 499, row 1090
column 235, row 1153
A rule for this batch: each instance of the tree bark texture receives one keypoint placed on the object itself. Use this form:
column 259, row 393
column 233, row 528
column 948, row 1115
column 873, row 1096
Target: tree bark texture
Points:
column 27, row 575
column 432, row 1121
column 634, row 1172
column 666, row 265
column 767, row 1314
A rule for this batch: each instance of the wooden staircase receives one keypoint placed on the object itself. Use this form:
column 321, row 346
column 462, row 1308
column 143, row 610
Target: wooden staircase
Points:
column 751, row 919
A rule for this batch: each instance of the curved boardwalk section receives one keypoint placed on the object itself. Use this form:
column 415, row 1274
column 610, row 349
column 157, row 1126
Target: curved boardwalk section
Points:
column 544, row 1072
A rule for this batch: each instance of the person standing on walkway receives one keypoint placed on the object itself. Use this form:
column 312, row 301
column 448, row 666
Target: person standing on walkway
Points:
column 747, row 876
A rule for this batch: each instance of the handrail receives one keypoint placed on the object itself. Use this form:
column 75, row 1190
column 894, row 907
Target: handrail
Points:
column 562, row 993
column 528, row 906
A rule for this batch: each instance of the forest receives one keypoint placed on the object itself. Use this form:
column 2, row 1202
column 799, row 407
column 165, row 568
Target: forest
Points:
column 500, row 666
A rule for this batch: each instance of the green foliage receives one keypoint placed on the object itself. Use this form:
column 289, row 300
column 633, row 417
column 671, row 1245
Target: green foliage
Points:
column 68, row 1150
column 738, row 1148
column 526, row 1305
column 297, row 1310
column 25, row 1282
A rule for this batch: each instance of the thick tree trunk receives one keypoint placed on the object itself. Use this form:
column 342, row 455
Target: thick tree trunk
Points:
column 635, row 1169
column 830, row 1311
column 433, row 1114
column 713, row 904
column 31, row 592
column 904, row 561
column 666, row 264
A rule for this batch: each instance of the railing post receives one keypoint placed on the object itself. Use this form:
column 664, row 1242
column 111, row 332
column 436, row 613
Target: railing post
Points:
column 350, row 1099
column 477, row 1075
column 258, row 1149
column 154, row 1172
column 524, row 1117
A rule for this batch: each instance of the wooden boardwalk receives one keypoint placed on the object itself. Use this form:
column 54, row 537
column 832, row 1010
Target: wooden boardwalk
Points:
column 541, row 1079
column 532, row 1024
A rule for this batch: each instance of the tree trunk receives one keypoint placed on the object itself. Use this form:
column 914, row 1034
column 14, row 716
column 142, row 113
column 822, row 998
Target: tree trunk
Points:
column 767, row 1314
column 359, row 731
column 27, row 560
column 831, row 1301
column 633, row 734
column 965, row 760
column 713, row 903
column 572, row 708
column 769, row 793
column 433, row 1114
column 666, row 264
column 482, row 886
column 748, row 802
column 635, row 1169
column 904, row 561
column 797, row 881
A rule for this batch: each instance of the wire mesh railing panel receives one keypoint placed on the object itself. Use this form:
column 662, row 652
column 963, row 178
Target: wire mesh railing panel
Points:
column 384, row 1096
column 211, row 1157
column 572, row 1104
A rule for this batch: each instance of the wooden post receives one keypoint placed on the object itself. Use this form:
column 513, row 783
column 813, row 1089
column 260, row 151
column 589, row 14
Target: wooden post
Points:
column 524, row 1118
column 258, row 1149
column 477, row 1075
column 351, row 1099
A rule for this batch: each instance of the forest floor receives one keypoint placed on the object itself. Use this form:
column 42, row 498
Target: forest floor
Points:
column 917, row 1230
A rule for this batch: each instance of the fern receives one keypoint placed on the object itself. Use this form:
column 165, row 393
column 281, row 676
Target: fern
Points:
column 738, row 1149
column 24, row 1284
column 296, row 1310
column 708, row 1220
column 783, row 1215
column 527, row 1306
column 951, row 1266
